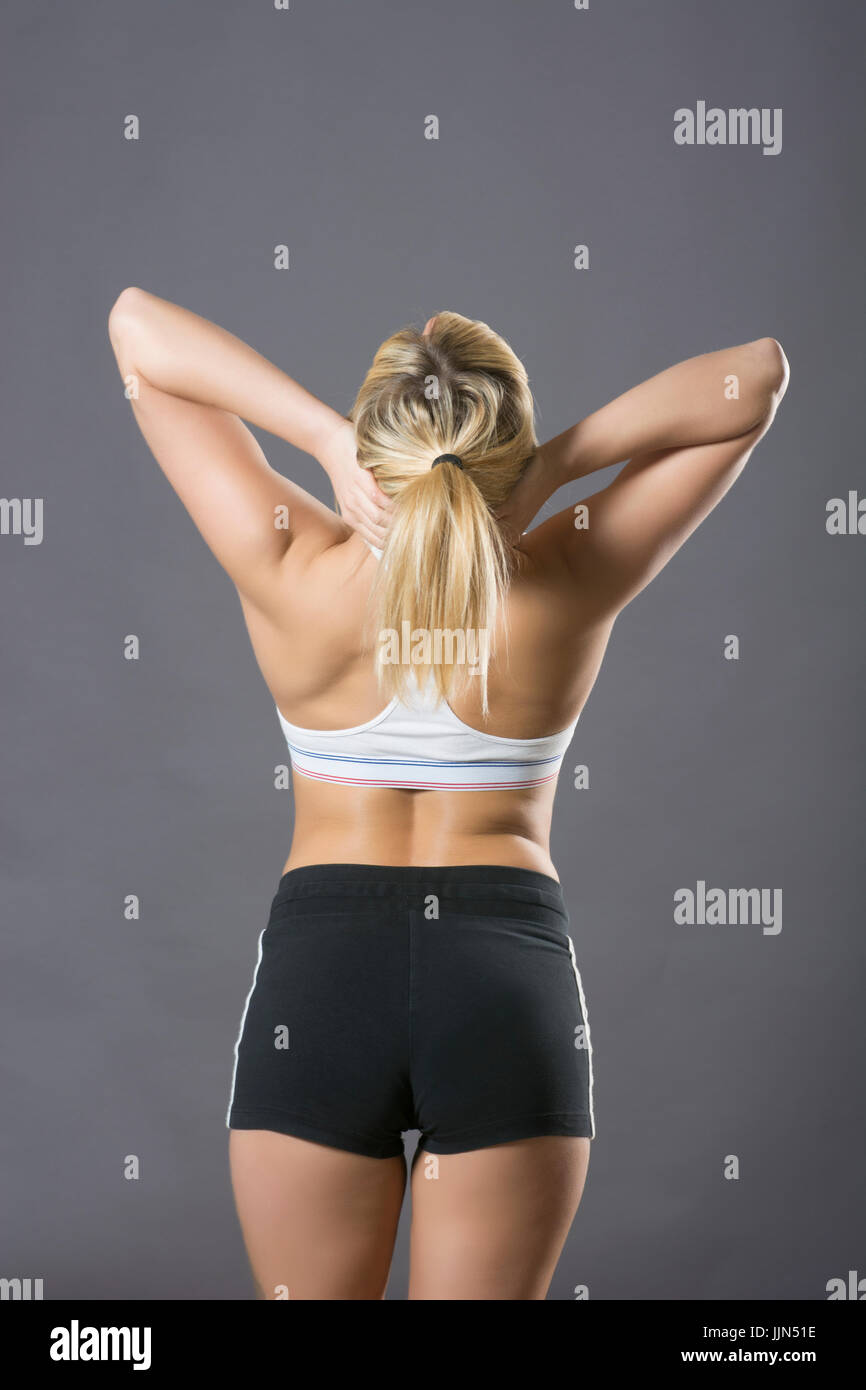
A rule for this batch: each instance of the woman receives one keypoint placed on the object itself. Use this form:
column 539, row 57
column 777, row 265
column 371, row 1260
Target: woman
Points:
column 429, row 662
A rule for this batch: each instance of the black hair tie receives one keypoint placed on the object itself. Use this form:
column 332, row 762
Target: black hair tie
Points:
column 448, row 458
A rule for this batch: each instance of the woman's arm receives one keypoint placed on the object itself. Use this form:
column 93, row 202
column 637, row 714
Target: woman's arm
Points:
column 193, row 386
column 186, row 355
column 687, row 442
column 704, row 400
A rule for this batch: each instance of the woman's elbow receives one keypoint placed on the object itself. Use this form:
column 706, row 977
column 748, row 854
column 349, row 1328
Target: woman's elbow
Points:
column 774, row 372
column 125, row 311
column 124, row 325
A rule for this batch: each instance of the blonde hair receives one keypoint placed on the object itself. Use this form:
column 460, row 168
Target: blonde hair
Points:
column 446, row 563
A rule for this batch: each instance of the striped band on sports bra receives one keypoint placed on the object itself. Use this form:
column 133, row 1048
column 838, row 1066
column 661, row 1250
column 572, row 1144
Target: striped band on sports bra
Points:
column 425, row 774
column 421, row 744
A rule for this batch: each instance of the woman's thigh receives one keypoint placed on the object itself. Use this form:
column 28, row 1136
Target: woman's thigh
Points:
column 317, row 1222
column 491, row 1223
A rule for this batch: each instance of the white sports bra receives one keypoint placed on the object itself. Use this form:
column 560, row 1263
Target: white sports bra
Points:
column 423, row 745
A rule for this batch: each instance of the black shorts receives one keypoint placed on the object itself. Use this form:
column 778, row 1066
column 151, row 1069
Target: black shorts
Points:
column 442, row 999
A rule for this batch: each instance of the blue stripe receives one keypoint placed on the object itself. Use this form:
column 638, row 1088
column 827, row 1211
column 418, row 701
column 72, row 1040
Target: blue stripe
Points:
column 421, row 762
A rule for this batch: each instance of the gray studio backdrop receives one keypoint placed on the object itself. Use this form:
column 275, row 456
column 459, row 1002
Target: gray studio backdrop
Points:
column 728, row 1059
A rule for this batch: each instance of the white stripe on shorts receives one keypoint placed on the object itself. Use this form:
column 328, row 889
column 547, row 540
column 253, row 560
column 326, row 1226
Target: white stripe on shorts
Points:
column 243, row 1021
column 580, row 995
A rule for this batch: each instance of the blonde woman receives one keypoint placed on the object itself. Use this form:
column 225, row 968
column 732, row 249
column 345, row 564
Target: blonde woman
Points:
column 428, row 662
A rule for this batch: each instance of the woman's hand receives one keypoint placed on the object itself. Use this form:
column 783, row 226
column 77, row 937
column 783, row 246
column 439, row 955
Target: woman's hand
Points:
column 528, row 497
column 363, row 504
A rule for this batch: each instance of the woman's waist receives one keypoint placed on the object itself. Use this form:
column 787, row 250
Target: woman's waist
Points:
column 417, row 830
column 480, row 890
column 327, row 846
column 417, row 817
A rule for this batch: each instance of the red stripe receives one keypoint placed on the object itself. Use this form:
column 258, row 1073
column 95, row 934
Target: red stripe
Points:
column 421, row 786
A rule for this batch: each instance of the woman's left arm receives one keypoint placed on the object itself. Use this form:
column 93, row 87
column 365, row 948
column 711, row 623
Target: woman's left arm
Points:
column 192, row 384
column 186, row 355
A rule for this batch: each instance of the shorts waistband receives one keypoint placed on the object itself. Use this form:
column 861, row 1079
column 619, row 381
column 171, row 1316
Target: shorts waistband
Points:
column 499, row 882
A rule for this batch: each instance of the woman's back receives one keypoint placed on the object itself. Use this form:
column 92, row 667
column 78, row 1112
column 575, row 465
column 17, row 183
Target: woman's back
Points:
column 445, row 787
column 441, row 433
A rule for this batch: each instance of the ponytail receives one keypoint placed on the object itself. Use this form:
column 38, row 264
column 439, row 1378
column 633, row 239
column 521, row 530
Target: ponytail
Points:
column 440, row 585
column 445, row 567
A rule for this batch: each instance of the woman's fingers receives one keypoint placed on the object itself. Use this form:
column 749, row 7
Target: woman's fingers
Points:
column 365, row 517
column 523, row 504
column 364, row 505
column 373, row 491
column 376, row 516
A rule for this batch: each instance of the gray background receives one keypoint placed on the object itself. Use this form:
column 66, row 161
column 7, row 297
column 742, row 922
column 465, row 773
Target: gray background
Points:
column 156, row 777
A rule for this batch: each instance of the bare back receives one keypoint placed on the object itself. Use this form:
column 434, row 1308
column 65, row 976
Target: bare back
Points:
column 304, row 588
column 317, row 659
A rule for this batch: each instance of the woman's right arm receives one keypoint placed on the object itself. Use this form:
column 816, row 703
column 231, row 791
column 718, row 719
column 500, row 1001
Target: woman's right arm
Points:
column 704, row 400
column 687, row 434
